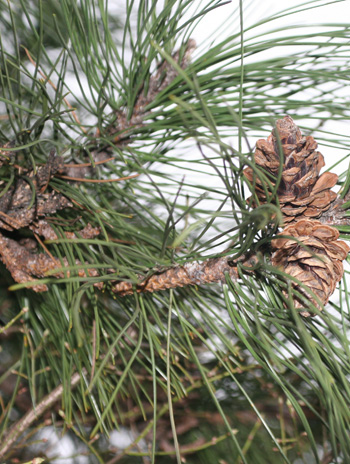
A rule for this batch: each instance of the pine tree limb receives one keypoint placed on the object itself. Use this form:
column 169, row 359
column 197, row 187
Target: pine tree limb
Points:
column 26, row 266
column 27, row 200
column 193, row 273
column 302, row 193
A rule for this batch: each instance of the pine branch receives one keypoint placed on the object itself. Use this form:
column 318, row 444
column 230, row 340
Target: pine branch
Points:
column 301, row 192
column 26, row 266
column 193, row 273
column 25, row 201
column 163, row 77
column 136, row 244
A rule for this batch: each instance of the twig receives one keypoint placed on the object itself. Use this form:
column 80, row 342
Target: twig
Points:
column 5, row 328
column 26, row 266
column 98, row 181
column 25, row 199
column 194, row 273
column 31, row 416
column 88, row 165
column 336, row 216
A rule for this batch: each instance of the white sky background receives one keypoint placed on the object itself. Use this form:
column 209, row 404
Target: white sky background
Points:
column 254, row 11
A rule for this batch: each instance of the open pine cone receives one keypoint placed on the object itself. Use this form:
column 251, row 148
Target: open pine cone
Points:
column 302, row 192
column 314, row 257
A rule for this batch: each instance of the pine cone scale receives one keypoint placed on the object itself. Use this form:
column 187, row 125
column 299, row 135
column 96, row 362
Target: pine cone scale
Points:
column 291, row 211
column 326, row 181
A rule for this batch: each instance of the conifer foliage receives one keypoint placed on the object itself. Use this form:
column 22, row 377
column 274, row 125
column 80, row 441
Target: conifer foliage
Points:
column 143, row 290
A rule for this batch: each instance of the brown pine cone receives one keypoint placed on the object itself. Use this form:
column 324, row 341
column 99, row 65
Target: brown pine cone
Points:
column 301, row 191
column 314, row 257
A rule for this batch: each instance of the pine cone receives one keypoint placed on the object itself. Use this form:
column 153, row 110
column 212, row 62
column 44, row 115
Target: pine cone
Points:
column 301, row 191
column 314, row 258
